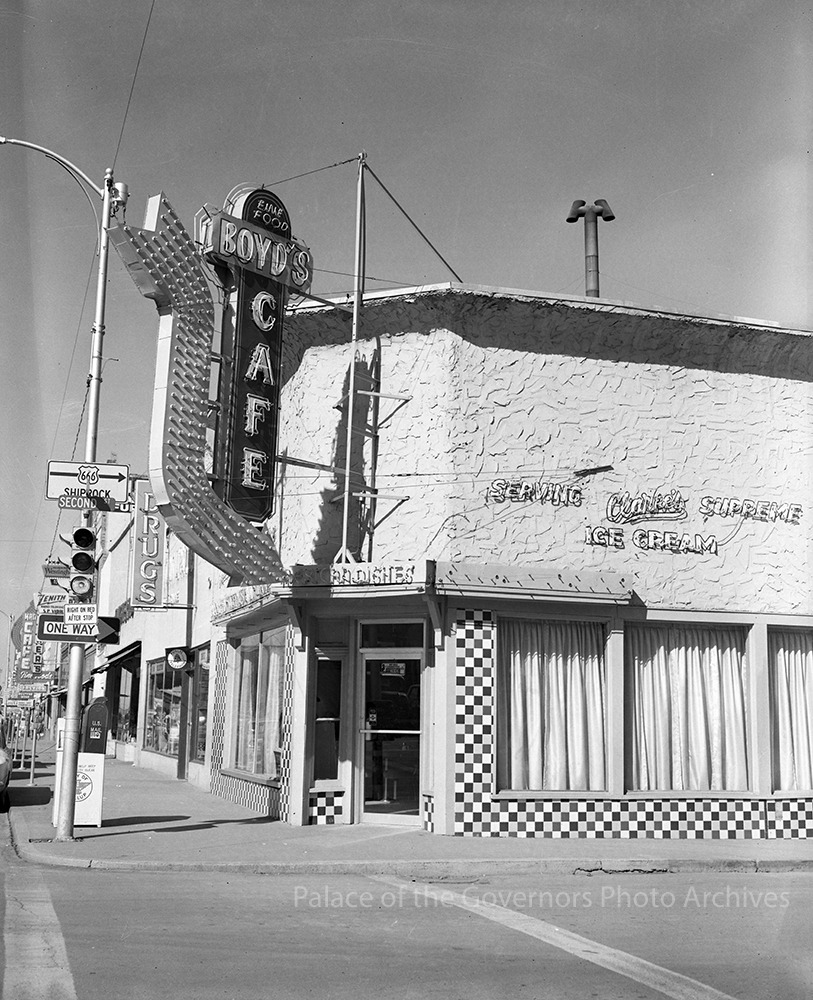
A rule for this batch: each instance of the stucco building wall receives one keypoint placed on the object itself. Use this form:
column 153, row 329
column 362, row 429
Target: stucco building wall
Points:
column 514, row 402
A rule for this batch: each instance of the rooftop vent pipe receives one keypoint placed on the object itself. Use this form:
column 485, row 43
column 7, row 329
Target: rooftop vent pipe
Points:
column 591, row 214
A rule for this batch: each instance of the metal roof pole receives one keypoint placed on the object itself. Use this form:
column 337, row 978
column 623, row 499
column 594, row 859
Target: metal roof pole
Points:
column 344, row 554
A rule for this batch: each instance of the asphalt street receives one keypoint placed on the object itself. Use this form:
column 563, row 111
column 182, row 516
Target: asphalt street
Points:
column 179, row 894
column 83, row 934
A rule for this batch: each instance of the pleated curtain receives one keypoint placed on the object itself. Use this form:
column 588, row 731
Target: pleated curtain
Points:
column 790, row 656
column 688, row 721
column 551, row 725
column 258, row 717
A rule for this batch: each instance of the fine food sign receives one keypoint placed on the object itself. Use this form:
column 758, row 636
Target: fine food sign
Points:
column 267, row 261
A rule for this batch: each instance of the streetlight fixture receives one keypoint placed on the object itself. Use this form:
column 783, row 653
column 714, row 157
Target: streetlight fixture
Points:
column 114, row 196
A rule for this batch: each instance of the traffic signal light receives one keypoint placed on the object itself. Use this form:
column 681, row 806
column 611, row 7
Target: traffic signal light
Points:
column 83, row 562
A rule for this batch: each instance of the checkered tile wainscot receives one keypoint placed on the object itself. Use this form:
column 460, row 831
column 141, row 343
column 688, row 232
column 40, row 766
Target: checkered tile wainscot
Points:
column 790, row 818
column 477, row 814
column 217, row 725
column 474, row 749
column 324, row 808
column 428, row 814
column 287, row 716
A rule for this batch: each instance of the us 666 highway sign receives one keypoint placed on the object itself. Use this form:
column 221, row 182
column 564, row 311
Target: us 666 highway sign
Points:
column 88, row 480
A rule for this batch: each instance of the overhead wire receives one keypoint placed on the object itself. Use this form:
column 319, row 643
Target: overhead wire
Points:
column 58, row 422
column 409, row 219
column 425, row 346
column 307, row 173
column 132, row 85
column 85, row 296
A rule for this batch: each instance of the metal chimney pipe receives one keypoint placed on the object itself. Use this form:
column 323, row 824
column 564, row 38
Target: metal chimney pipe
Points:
column 591, row 214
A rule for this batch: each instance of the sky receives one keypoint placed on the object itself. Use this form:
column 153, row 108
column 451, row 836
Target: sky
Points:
column 484, row 120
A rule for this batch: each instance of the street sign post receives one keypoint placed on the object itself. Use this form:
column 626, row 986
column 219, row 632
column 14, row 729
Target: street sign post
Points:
column 88, row 480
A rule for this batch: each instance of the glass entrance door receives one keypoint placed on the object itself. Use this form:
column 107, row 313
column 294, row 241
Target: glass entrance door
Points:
column 391, row 737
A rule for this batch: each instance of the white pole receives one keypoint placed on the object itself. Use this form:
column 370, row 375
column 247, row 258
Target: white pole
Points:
column 66, row 808
column 344, row 555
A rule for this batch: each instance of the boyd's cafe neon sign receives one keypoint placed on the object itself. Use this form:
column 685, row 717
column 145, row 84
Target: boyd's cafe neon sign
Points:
column 267, row 262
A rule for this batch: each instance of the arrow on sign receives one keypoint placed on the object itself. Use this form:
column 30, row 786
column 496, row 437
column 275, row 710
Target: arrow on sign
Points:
column 119, row 477
column 108, row 630
column 52, row 628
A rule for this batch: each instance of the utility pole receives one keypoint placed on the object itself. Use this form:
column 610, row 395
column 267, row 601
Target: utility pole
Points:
column 113, row 197
column 8, row 668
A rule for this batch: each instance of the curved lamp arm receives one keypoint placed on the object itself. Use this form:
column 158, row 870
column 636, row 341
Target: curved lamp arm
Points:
column 60, row 159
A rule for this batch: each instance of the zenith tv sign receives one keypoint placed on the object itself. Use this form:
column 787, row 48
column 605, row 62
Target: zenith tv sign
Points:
column 267, row 263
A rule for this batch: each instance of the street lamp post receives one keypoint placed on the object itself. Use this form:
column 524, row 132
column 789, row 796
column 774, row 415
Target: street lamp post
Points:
column 7, row 678
column 113, row 196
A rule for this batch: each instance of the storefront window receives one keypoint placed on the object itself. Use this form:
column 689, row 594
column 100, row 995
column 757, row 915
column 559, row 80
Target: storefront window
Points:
column 121, row 692
column 163, row 729
column 687, row 728
column 392, row 635
column 260, row 660
column 790, row 655
column 328, row 719
column 126, row 708
column 551, row 719
column 200, row 703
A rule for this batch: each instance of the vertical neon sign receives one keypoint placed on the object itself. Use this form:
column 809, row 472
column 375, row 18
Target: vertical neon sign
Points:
column 259, row 248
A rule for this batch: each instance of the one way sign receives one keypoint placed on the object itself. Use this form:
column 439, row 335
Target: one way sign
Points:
column 52, row 628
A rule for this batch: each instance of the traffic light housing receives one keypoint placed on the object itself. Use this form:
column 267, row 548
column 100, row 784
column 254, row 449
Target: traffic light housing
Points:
column 82, row 563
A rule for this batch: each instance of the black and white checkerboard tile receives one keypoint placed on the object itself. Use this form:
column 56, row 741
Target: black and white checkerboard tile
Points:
column 477, row 814
column 289, row 668
column 428, row 813
column 325, row 808
column 790, row 818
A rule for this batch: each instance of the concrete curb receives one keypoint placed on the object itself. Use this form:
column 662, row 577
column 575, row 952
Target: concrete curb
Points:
column 435, row 870
column 431, row 870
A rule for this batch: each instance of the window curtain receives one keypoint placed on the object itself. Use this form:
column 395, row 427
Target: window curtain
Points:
column 688, row 728
column 247, row 703
column 550, row 705
column 258, row 703
column 272, row 654
column 791, row 671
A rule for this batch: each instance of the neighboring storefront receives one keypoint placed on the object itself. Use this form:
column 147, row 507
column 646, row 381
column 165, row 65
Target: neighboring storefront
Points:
column 582, row 601
column 156, row 680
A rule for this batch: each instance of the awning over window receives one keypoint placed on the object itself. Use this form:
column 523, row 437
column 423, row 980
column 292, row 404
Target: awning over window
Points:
column 115, row 658
column 530, row 583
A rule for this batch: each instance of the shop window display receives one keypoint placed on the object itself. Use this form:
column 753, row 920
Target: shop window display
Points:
column 126, row 705
column 200, row 703
column 163, row 728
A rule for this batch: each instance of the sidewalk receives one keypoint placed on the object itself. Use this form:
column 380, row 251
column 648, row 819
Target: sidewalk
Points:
column 155, row 823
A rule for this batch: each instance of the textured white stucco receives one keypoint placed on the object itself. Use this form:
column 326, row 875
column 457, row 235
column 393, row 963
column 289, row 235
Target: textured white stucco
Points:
column 532, row 390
